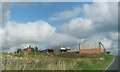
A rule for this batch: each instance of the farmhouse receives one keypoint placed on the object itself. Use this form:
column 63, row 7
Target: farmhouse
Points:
column 28, row 49
column 92, row 48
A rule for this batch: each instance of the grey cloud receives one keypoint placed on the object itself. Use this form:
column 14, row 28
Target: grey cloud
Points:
column 103, row 17
column 31, row 33
column 78, row 27
column 61, row 39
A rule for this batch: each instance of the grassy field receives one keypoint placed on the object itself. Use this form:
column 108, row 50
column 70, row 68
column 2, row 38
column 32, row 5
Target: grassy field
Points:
column 44, row 62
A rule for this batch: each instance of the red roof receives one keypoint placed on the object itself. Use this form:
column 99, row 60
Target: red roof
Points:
column 27, row 49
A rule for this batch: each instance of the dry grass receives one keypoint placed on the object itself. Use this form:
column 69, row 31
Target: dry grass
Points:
column 44, row 62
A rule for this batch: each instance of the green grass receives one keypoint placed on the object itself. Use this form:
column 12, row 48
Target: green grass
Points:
column 53, row 62
column 100, row 65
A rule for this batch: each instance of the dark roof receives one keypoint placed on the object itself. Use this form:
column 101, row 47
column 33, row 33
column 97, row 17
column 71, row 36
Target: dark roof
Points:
column 56, row 48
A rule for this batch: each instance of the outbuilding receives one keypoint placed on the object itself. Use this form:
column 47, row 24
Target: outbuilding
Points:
column 91, row 47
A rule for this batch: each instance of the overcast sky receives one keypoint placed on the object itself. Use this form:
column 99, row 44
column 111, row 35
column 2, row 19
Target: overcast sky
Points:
column 58, row 24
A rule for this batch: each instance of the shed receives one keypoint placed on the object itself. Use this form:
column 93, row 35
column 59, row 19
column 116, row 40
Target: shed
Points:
column 55, row 50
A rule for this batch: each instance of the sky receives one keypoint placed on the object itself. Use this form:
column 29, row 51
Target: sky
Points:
column 50, row 24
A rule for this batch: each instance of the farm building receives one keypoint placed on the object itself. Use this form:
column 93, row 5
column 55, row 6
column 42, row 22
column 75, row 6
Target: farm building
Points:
column 56, row 50
column 91, row 47
column 73, row 50
column 92, row 51
column 28, row 49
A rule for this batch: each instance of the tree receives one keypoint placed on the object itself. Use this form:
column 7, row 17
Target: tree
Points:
column 36, row 49
column 107, row 52
column 19, row 51
column 32, row 49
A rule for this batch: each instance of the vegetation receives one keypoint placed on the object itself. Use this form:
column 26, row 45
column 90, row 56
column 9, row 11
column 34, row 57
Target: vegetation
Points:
column 19, row 51
column 39, row 61
column 100, row 65
column 107, row 52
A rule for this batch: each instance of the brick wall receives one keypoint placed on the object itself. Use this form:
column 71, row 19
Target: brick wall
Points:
column 91, row 51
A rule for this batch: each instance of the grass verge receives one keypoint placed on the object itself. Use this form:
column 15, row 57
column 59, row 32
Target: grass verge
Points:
column 100, row 65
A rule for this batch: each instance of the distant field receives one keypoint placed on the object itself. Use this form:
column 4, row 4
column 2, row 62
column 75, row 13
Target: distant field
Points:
column 45, row 62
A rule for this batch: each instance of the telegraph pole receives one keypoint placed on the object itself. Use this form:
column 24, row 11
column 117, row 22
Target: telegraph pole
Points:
column 79, row 47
